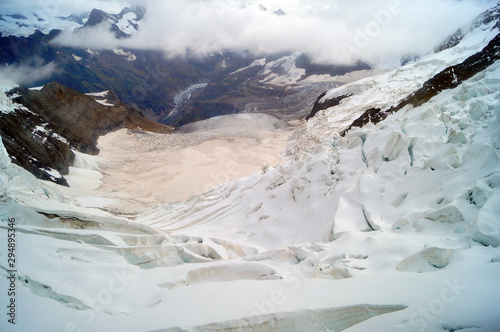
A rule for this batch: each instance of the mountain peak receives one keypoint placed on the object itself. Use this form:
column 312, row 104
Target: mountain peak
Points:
column 121, row 24
column 96, row 17
column 279, row 12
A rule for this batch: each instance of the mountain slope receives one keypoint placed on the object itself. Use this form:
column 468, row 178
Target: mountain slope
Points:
column 40, row 128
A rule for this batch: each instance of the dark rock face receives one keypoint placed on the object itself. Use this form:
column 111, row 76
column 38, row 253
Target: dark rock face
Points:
column 453, row 76
column 373, row 115
column 98, row 16
column 451, row 41
column 449, row 78
column 31, row 144
column 318, row 106
column 56, row 119
column 79, row 118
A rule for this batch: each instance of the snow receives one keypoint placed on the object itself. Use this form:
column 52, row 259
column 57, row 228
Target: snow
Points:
column 102, row 94
column 125, row 23
column 388, row 207
column 77, row 58
column 255, row 63
column 128, row 55
column 100, row 97
column 393, row 227
column 37, row 88
column 43, row 132
column 104, row 102
column 145, row 168
column 292, row 75
column 59, row 137
column 6, row 104
column 45, row 21
column 54, row 173
column 386, row 90
column 42, row 21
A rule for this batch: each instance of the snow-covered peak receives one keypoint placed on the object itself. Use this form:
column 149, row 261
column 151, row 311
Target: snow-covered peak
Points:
column 24, row 24
column 27, row 23
column 124, row 24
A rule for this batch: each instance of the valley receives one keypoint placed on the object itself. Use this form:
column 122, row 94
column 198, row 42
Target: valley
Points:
column 140, row 169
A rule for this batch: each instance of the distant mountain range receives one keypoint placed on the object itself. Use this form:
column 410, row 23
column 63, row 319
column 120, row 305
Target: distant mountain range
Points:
column 173, row 91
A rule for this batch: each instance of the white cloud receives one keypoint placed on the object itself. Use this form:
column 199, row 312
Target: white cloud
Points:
column 98, row 37
column 60, row 7
column 335, row 31
column 27, row 74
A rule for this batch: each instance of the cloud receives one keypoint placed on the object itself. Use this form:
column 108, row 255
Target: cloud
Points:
column 27, row 74
column 97, row 37
column 335, row 31
column 60, row 7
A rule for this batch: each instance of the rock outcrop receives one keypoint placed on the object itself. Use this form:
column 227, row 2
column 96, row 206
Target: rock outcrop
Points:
column 320, row 106
column 47, row 124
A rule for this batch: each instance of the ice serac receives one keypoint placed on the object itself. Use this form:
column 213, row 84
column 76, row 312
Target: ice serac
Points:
column 485, row 228
column 397, row 143
column 427, row 260
column 335, row 319
column 46, row 124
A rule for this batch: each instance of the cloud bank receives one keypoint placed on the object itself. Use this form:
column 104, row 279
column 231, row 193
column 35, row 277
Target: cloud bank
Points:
column 60, row 7
column 334, row 32
column 27, row 74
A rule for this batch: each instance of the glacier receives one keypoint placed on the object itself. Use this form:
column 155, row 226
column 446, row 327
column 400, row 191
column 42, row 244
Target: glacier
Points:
column 391, row 227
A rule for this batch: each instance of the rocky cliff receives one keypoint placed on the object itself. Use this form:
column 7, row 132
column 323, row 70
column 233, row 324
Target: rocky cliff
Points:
column 47, row 124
